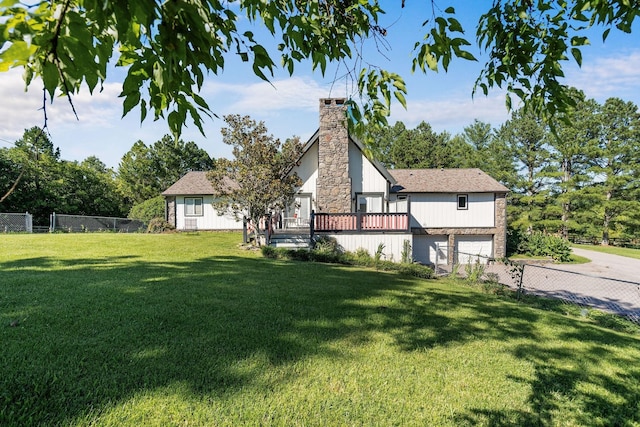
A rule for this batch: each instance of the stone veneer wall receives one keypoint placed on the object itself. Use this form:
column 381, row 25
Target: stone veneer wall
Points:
column 333, row 184
column 500, row 238
column 170, row 210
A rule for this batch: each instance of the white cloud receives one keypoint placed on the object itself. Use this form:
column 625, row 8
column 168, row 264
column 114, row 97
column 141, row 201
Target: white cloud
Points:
column 262, row 98
column 21, row 110
column 609, row 76
column 453, row 113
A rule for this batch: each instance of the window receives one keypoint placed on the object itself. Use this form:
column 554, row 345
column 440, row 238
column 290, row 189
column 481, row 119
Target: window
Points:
column 463, row 201
column 193, row 206
column 369, row 203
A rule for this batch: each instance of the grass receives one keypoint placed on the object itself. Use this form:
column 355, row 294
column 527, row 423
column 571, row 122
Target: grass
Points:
column 575, row 259
column 614, row 250
column 183, row 329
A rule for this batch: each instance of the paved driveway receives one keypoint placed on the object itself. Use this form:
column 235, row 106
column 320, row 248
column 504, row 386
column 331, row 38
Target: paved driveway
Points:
column 608, row 282
column 606, row 265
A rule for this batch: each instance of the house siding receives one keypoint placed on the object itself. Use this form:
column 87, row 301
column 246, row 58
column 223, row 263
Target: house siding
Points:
column 210, row 220
column 440, row 211
column 365, row 177
column 393, row 243
column 307, row 171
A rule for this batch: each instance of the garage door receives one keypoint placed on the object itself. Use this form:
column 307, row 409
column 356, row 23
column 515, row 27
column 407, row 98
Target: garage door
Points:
column 469, row 247
column 430, row 249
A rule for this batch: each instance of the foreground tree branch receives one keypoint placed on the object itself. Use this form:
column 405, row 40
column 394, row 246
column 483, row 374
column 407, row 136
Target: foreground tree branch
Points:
column 168, row 47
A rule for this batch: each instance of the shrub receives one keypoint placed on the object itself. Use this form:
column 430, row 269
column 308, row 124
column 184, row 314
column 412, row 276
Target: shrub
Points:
column 148, row 210
column 415, row 270
column 328, row 250
column 406, row 252
column 269, row 252
column 474, row 272
column 159, row 225
column 540, row 244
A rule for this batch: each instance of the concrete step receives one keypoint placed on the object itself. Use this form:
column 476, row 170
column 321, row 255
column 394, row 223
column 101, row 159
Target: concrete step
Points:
column 290, row 242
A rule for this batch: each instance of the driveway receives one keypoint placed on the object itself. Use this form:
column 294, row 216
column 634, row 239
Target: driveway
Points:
column 608, row 282
column 606, row 265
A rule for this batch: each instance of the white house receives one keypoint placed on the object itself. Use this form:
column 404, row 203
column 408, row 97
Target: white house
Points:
column 188, row 205
column 438, row 213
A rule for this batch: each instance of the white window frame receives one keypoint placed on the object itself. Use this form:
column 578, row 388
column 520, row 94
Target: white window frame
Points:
column 464, row 206
column 367, row 196
column 195, row 205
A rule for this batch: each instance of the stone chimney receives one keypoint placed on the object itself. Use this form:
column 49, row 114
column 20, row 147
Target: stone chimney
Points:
column 333, row 183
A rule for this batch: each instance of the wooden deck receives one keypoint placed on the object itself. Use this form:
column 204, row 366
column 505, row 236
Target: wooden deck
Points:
column 361, row 222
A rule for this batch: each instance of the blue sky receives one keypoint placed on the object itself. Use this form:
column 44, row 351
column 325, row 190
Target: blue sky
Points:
column 289, row 106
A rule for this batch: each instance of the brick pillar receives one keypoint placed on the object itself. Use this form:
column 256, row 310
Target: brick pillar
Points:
column 500, row 238
column 333, row 183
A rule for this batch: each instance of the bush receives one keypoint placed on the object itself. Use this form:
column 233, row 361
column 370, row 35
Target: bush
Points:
column 148, row 210
column 540, row 244
column 415, row 270
column 328, row 250
column 269, row 252
column 159, row 225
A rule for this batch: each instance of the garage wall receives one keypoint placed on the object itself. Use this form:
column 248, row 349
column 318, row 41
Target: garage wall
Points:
column 468, row 246
column 430, row 250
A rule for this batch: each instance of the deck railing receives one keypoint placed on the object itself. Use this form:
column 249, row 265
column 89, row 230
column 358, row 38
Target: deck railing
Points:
column 360, row 221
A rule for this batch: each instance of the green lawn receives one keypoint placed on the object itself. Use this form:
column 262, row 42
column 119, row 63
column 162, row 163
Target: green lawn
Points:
column 187, row 329
column 615, row 250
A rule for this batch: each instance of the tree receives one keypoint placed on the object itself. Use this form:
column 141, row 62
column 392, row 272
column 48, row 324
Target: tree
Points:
column 489, row 153
column 258, row 180
column 87, row 188
column 526, row 137
column 42, row 183
column 168, row 47
column 615, row 168
column 423, row 148
column 573, row 142
column 144, row 172
column 34, row 177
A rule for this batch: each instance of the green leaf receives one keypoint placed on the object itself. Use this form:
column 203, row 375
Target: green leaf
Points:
column 130, row 101
column 17, row 54
column 401, row 99
column 577, row 55
column 50, row 77
column 432, row 62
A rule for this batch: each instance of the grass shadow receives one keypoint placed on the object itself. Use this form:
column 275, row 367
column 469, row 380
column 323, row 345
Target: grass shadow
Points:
column 93, row 332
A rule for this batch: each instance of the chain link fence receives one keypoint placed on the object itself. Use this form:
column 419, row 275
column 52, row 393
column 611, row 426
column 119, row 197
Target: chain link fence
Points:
column 611, row 295
column 82, row 223
column 16, row 222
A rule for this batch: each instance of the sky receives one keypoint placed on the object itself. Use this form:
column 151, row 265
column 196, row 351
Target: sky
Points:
column 289, row 105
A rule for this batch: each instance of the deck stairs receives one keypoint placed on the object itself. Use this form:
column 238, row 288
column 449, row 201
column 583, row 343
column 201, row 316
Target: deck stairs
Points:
column 293, row 238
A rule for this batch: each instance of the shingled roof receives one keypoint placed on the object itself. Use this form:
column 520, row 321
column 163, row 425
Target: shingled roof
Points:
column 194, row 183
column 445, row 181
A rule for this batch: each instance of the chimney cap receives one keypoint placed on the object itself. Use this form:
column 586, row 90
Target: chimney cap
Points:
column 333, row 101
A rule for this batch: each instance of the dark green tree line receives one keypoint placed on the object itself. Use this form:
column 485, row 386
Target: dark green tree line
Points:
column 575, row 174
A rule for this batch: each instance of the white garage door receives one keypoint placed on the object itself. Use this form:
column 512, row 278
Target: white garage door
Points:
column 469, row 247
column 430, row 249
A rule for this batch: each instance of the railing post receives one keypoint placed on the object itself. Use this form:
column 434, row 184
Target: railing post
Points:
column 408, row 213
column 312, row 224
column 359, row 221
